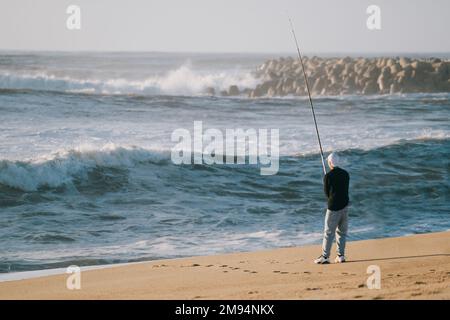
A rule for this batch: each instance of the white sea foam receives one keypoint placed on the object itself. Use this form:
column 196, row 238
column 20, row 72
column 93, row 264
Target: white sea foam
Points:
column 181, row 81
column 175, row 246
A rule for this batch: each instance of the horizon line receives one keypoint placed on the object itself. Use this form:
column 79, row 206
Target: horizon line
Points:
column 351, row 53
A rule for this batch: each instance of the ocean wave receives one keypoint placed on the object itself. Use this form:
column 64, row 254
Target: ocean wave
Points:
column 181, row 81
column 65, row 167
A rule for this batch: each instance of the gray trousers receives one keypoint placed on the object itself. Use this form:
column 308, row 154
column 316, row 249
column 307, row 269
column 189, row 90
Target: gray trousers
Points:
column 336, row 222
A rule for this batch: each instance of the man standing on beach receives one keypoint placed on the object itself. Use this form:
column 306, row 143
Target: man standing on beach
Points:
column 336, row 183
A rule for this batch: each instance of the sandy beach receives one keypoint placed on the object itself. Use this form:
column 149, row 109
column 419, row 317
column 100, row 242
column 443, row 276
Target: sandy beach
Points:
column 412, row 267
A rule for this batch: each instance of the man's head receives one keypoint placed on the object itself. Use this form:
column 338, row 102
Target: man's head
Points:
column 333, row 160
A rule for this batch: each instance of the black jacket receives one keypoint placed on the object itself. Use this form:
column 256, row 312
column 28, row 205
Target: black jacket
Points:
column 335, row 185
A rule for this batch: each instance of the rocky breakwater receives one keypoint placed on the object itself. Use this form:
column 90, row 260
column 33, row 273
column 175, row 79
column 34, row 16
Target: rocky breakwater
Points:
column 339, row 76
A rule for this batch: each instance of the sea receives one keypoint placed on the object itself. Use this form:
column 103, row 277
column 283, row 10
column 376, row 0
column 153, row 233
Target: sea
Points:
column 87, row 177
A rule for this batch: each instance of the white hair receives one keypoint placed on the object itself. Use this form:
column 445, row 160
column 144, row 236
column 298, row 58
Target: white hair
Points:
column 333, row 159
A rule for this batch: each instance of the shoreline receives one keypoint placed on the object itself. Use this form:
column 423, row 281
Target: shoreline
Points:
column 412, row 267
column 33, row 274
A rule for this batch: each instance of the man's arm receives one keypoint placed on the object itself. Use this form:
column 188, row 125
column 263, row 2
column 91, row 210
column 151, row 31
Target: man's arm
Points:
column 326, row 185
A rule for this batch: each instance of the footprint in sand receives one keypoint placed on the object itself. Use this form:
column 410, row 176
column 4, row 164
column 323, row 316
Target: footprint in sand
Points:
column 209, row 265
column 225, row 271
column 420, row 282
column 415, row 294
column 357, row 297
column 195, row 265
column 307, row 272
column 250, row 271
column 313, row 289
column 280, row 272
column 252, row 292
column 159, row 266
column 224, row 265
column 378, row 298
column 362, row 285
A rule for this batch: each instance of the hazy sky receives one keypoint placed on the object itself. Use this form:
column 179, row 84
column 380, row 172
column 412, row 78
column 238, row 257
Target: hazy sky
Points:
column 226, row 25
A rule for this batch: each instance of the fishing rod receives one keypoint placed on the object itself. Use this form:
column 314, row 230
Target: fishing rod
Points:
column 309, row 95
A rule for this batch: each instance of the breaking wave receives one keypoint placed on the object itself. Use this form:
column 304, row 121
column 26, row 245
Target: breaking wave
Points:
column 74, row 166
column 62, row 168
column 181, row 81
